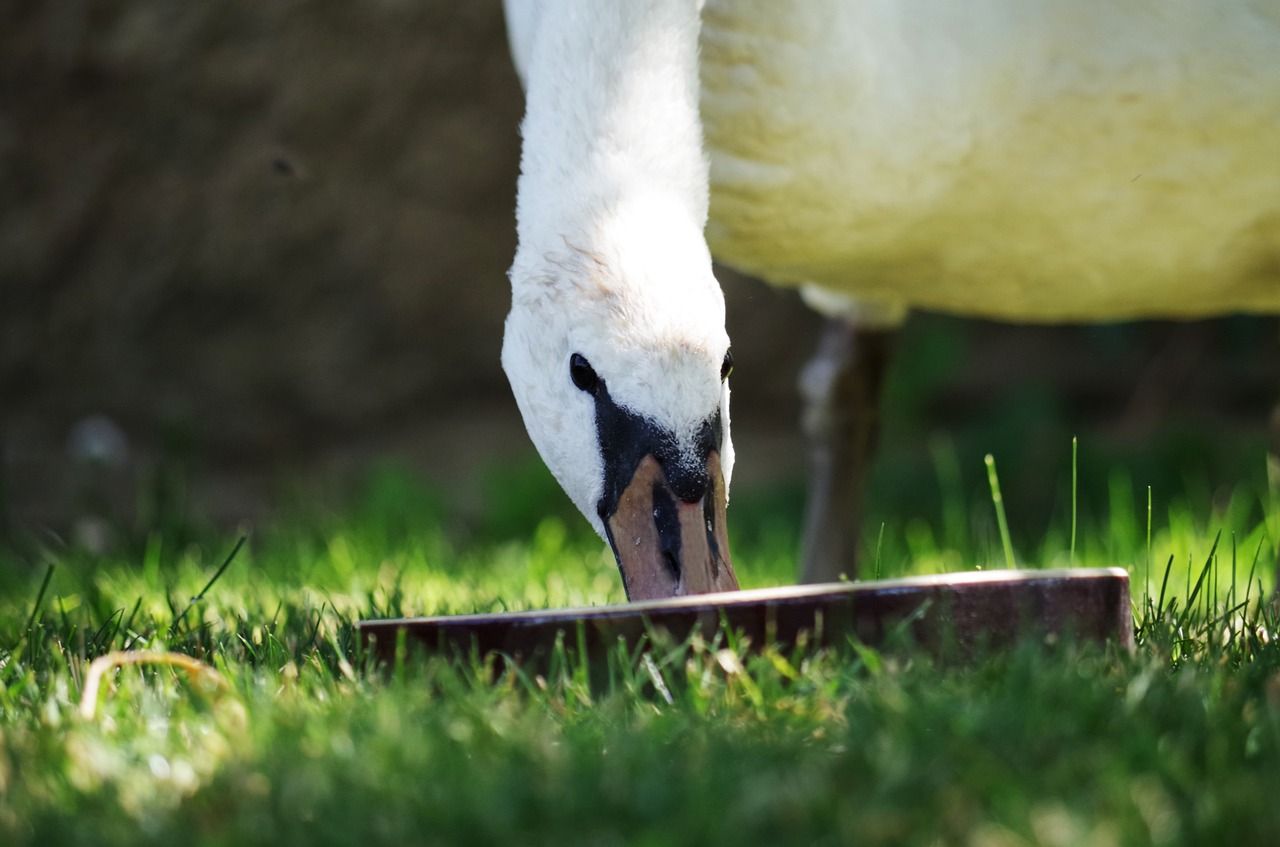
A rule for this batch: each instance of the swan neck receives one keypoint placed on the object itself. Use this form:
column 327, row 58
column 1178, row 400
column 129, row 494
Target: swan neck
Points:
column 611, row 119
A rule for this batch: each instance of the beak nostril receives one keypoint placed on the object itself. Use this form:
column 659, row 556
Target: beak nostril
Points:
column 690, row 483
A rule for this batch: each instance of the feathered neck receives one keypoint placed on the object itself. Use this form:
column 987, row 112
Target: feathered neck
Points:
column 612, row 126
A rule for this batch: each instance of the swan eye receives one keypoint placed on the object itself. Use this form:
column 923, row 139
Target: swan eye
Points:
column 582, row 374
column 727, row 367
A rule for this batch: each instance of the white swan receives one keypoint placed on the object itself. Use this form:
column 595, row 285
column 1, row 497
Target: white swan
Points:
column 1018, row 159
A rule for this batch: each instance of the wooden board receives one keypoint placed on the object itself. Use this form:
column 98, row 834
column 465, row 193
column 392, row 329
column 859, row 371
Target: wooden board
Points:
column 963, row 610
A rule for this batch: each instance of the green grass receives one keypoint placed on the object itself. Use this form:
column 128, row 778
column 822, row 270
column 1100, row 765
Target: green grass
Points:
column 1178, row 743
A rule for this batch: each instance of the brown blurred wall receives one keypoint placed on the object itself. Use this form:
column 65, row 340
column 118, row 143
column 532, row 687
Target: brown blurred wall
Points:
column 268, row 232
column 251, row 214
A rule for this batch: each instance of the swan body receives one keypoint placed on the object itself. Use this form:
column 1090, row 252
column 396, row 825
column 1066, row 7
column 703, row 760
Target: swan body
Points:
column 1034, row 161
column 1016, row 159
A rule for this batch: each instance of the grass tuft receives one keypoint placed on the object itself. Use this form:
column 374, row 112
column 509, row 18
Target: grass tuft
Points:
column 703, row 742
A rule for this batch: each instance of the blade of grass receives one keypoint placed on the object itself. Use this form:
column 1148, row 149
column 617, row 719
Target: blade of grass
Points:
column 29, row 635
column 1217, row 580
column 113, row 622
column 879, row 544
column 998, row 502
column 127, row 627
column 44, row 586
column 1248, row 586
column 1164, row 584
column 1146, row 581
column 217, row 574
column 1195, row 592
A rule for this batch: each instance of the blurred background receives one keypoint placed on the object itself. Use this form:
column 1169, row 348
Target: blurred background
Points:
column 250, row 249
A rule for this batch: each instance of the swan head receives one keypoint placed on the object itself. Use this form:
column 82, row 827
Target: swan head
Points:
column 617, row 354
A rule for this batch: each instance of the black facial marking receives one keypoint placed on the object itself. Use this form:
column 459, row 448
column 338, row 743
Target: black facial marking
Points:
column 626, row 438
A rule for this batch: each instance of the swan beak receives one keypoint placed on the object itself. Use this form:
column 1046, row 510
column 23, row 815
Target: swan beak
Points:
column 665, row 546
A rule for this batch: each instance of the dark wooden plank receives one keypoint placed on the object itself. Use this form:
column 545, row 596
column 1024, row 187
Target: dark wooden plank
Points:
column 961, row 611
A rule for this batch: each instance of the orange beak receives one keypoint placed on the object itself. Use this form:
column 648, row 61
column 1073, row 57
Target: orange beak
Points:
column 665, row 546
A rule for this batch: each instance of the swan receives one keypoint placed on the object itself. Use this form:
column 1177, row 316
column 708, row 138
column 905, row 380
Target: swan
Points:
column 1021, row 160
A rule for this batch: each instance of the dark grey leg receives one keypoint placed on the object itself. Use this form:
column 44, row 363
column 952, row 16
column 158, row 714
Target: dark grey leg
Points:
column 841, row 388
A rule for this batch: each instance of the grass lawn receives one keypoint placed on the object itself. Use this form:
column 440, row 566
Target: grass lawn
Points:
column 297, row 741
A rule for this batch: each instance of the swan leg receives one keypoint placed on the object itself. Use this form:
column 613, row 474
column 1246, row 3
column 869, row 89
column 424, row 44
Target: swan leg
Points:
column 841, row 388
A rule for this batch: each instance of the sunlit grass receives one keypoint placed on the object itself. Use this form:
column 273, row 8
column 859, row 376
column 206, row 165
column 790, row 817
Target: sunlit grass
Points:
column 702, row 743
